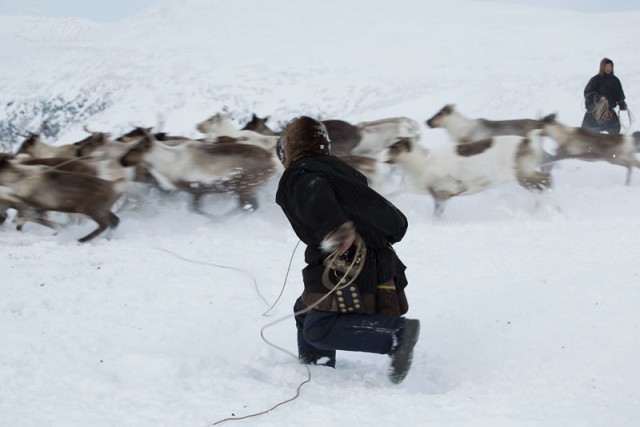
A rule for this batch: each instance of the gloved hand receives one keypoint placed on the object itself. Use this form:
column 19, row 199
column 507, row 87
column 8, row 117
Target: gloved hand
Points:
column 623, row 105
column 341, row 238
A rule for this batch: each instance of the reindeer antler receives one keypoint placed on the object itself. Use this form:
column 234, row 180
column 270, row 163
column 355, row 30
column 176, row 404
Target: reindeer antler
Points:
column 15, row 131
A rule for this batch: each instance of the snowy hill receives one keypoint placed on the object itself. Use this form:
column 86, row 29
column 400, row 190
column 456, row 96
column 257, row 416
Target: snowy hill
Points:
column 529, row 317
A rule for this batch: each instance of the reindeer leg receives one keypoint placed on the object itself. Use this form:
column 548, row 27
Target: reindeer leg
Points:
column 439, row 205
column 20, row 222
column 105, row 219
column 38, row 217
column 636, row 163
column 248, row 202
column 438, row 209
column 102, row 225
column 196, row 202
column 196, row 207
column 548, row 161
column 440, row 198
column 113, row 219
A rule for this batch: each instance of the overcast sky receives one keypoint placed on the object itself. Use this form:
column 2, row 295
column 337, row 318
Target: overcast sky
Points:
column 112, row 10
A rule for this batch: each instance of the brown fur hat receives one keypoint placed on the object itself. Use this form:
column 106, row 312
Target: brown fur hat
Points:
column 604, row 62
column 303, row 136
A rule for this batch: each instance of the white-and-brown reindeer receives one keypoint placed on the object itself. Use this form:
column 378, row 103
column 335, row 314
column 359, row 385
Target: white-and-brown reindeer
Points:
column 199, row 169
column 343, row 135
column 369, row 138
column 35, row 147
column 581, row 144
column 463, row 130
column 374, row 170
column 139, row 132
column 363, row 139
column 221, row 125
column 377, row 135
column 455, row 170
column 44, row 188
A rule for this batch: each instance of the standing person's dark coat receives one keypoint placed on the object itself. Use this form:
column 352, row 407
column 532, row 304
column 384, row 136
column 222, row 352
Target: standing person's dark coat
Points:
column 327, row 202
column 604, row 86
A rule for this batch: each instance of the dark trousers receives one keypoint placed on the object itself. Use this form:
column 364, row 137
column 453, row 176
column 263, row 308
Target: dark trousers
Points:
column 611, row 126
column 321, row 333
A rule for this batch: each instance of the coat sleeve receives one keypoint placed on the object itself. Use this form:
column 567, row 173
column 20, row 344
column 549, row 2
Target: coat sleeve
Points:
column 620, row 95
column 312, row 207
column 401, row 228
column 590, row 93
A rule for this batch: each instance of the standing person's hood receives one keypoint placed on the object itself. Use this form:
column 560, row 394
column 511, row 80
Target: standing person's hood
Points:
column 604, row 62
column 303, row 136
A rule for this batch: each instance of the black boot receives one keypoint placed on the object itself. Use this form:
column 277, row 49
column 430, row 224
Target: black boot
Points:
column 402, row 354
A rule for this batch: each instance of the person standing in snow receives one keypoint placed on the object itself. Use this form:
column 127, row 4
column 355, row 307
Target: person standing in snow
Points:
column 329, row 205
column 602, row 94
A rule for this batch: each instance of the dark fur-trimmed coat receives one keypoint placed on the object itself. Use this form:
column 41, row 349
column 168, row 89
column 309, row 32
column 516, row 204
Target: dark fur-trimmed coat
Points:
column 607, row 85
column 319, row 193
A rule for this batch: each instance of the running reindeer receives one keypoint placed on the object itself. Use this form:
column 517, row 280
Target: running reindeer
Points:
column 363, row 139
column 455, row 170
column 581, row 144
column 38, row 188
column 200, row 168
column 463, row 130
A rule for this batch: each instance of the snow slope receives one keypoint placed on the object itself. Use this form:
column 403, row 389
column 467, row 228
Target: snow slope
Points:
column 530, row 317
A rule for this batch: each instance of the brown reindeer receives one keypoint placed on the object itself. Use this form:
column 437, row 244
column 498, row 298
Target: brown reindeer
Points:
column 139, row 132
column 35, row 147
column 43, row 188
column 581, row 144
column 259, row 124
column 67, row 164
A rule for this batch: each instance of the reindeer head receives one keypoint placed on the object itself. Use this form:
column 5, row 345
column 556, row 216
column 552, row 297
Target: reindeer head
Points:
column 550, row 119
column 135, row 134
column 27, row 146
column 437, row 120
column 4, row 160
column 136, row 154
column 8, row 171
column 258, row 124
column 396, row 150
column 92, row 143
column 214, row 123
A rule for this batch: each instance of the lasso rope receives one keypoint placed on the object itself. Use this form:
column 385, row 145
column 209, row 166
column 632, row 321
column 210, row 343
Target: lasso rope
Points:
column 286, row 276
column 601, row 112
column 255, row 282
column 350, row 273
column 631, row 117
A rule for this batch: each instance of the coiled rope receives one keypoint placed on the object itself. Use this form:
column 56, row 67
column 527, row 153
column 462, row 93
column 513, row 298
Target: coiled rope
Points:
column 601, row 112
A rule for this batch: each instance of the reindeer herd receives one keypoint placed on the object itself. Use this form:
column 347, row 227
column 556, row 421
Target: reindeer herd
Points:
column 90, row 176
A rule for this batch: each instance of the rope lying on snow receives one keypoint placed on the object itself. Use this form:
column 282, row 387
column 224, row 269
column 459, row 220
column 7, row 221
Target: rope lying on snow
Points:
column 255, row 282
column 350, row 271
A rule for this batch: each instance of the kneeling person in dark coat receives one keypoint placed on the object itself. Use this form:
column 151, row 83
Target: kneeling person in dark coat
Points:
column 330, row 206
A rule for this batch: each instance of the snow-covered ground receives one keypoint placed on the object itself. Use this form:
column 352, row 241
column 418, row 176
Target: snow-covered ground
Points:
column 529, row 317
